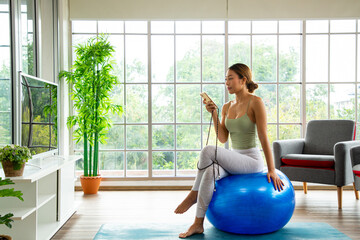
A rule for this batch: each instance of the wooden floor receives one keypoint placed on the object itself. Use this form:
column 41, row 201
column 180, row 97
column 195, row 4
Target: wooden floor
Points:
column 157, row 206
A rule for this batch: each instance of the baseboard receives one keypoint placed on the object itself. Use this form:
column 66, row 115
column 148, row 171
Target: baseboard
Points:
column 184, row 185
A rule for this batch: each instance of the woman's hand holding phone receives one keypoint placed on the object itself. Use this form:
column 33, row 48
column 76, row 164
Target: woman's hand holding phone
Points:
column 209, row 104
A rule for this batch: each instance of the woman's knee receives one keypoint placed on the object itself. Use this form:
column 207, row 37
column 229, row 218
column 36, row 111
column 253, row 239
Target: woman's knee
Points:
column 206, row 155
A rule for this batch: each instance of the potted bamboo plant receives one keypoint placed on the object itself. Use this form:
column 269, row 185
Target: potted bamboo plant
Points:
column 13, row 159
column 8, row 192
column 92, row 83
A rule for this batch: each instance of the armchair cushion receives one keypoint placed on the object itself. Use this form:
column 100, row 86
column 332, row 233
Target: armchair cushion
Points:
column 309, row 160
column 356, row 170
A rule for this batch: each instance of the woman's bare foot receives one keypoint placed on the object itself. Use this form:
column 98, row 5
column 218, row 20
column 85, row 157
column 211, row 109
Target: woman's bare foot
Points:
column 187, row 203
column 196, row 228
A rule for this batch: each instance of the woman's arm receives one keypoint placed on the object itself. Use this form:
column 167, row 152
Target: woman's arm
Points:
column 223, row 133
column 261, row 124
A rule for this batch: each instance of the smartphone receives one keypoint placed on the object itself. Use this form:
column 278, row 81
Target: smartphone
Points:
column 207, row 98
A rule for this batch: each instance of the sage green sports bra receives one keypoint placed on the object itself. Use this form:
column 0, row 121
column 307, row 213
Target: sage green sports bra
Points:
column 242, row 130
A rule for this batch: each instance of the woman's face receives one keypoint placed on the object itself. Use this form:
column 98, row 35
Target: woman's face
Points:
column 233, row 82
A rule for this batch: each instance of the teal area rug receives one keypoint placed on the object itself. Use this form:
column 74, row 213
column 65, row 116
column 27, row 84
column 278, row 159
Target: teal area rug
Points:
column 292, row 231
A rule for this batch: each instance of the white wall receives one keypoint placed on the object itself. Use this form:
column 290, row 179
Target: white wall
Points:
column 213, row 9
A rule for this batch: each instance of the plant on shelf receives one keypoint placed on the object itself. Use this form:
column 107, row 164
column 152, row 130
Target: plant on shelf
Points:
column 8, row 192
column 92, row 82
column 13, row 159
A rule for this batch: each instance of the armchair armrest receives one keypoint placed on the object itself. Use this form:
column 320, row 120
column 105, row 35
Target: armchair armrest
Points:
column 355, row 155
column 284, row 147
column 343, row 165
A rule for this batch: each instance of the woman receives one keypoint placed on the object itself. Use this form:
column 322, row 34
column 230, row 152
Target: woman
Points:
column 239, row 118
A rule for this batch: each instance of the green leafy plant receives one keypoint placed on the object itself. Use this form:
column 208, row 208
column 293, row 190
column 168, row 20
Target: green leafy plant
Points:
column 8, row 192
column 92, row 83
column 17, row 155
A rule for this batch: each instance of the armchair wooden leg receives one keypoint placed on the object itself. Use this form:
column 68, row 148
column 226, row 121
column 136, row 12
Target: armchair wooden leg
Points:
column 305, row 187
column 339, row 192
column 356, row 192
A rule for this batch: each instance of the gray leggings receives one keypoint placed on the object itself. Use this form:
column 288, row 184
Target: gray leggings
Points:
column 231, row 162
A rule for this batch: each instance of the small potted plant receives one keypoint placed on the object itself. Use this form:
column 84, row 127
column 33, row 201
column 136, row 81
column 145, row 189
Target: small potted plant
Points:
column 8, row 192
column 13, row 159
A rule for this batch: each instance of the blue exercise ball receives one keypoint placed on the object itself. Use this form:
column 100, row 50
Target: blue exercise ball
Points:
column 249, row 204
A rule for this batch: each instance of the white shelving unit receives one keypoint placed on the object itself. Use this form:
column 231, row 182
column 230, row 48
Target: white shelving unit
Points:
column 48, row 191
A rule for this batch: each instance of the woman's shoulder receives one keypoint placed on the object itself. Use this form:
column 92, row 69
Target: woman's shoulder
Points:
column 256, row 99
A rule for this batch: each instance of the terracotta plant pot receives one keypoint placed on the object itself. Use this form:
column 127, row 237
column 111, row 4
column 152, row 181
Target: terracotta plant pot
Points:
column 90, row 185
column 9, row 170
column 3, row 237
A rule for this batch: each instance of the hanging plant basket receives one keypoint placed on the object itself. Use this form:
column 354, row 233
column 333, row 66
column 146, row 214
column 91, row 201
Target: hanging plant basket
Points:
column 90, row 185
column 12, row 171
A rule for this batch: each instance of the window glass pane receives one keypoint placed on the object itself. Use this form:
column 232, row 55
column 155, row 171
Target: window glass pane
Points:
column 188, row 59
column 358, row 58
column 239, row 26
column 111, row 26
column 316, row 101
column 289, row 58
column 342, row 101
column 213, row 26
column 289, row 103
column 317, row 26
column 187, row 26
column 28, row 48
column 118, row 43
column 115, row 138
column 5, row 128
column 162, row 103
column 267, row 92
column 239, row 50
column 162, row 27
column 188, row 136
column 84, row 26
column 342, row 58
column 264, row 26
column 136, row 164
column 213, row 59
column 4, row 29
column 186, row 163
column 111, row 164
column 357, row 136
column 337, row 26
column 162, row 58
column 136, row 27
column 4, row 6
column 188, row 103
column 217, row 93
column 358, row 100
column 290, row 27
column 163, row 137
column 136, row 58
column 163, row 164
column 5, row 64
column 117, row 97
column 5, row 76
column 136, row 137
column 317, row 58
column 136, row 110
column 289, row 132
column 264, row 58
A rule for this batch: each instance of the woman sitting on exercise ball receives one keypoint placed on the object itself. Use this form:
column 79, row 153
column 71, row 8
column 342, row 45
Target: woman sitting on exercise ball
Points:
column 239, row 118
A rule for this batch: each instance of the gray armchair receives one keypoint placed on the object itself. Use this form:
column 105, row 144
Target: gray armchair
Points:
column 322, row 157
column 355, row 161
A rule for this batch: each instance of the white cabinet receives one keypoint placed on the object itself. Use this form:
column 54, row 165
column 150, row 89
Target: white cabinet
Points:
column 48, row 191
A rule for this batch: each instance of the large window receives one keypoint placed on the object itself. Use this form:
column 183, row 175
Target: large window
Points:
column 164, row 65
column 5, row 74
